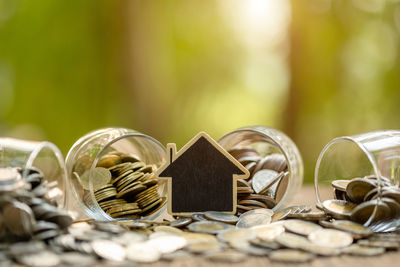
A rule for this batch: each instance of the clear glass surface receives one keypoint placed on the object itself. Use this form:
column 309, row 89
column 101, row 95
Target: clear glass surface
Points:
column 85, row 154
column 42, row 155
column 369, row 154
column 267, row 141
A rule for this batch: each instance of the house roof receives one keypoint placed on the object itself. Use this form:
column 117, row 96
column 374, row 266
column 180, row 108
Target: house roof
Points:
column 204, row 154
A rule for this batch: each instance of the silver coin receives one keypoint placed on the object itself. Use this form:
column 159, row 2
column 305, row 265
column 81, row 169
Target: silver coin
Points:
column 41, row 258
column 18, row 218
column 236, row 234
column 301, row 227
column 264, row 179
column 254, row 218
column 331, row 238
column 248, row 248
column 209, row 227
column 221, row 217
column 226, row 256
column 292, row 240
column 108, row 250
column 142, row 253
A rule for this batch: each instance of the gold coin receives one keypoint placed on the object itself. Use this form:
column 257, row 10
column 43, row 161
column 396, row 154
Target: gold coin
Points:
column 340, row 184
column 131, row 191
column 358, row 188
column 351, row 227
column 108, row 161
column 372, row 211
column 339, row 209
column 154, row 207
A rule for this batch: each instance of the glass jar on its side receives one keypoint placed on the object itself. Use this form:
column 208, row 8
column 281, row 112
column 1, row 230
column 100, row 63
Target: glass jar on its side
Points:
column 362, row 174
column 112, row 168
column 44, row 156
column 274, row 163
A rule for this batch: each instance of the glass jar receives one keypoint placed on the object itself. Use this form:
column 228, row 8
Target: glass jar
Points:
column 44, row 156
column 90, row 164
column 274, row 163
column 364, row 170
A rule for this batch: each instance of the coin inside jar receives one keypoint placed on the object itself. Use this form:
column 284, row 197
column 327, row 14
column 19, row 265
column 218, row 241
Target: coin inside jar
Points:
column 358, row 188
column 339, row 209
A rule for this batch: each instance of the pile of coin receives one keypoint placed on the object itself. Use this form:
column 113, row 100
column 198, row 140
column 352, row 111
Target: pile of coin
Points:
column 28, row 206
column 366, row 200
column 215, row 236
column 267, row 182
column 130, row 189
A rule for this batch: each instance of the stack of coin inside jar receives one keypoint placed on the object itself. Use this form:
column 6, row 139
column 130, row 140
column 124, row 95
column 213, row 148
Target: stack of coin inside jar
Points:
column 28, row 206
column 367, row 200
column 267, row 182
column 124, row 186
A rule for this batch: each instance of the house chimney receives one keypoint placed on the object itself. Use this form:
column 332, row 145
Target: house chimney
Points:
column 171, row 151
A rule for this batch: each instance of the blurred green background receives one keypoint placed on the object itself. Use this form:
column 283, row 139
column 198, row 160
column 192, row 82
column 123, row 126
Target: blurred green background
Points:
column 315, row 69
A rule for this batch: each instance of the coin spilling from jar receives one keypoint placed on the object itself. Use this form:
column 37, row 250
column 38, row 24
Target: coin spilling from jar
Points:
column 268, row 179
column 367, row 200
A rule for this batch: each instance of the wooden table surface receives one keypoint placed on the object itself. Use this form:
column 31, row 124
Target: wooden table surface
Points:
column 307, row 197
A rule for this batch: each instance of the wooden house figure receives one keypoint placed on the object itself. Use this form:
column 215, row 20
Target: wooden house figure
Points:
column 201, row 177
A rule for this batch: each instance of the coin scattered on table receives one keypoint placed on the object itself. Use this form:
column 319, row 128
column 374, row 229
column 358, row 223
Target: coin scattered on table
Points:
column 365, row 200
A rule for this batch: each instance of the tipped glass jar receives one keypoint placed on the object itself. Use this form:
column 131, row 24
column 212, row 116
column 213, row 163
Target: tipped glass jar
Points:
column 37, row 160
column 274, row 163
column 357, row 178
column 111, row 175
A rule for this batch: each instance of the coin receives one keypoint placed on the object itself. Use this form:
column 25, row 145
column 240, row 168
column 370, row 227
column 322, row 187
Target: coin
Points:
column 358, row 188
column 221, row 217
column 40, row 258
column 268, row 232
column 309, row 216
column 167, row 229
column 108, row 250
column 339, row 209
column 264, row 179
column 301, row 227
column 330, row 238
column 358, row 250
column 208, row 227
column 292, row 240
column 181, row 222
column 142, row 253
column 204, row 247
column 198, row 237
column 254, row 219
column 100, row 177
column 198, row 217
column 18, row 218
column 236, row 234
column 248, row 248
column 280, row 215
column 351, row 227
column 290, row 256
column 167, row 243
column 265, row 244
column 387, row 244
column 75, row 258
column 108, row 161
column 226, row 256
column 373, row 210
column 340, row 184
